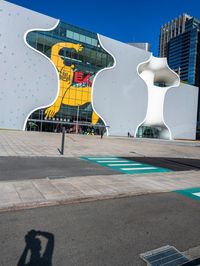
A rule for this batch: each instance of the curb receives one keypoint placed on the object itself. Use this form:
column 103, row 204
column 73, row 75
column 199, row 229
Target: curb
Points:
column 34, row 205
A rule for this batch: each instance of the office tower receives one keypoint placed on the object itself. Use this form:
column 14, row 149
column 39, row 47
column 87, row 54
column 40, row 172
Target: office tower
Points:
column 171, row 30
column 180, row 43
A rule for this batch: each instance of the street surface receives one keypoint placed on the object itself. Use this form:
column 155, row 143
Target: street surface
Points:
column 75, row 210
column 24, row 168
column 109, row 232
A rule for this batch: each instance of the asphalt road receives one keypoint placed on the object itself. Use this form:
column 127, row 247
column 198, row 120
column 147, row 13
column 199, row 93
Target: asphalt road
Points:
column 175, row 164
column 22, row 168
column 109, row 232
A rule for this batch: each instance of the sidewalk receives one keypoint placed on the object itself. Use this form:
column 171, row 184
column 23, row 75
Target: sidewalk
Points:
column 19, row 143
column 45, row 192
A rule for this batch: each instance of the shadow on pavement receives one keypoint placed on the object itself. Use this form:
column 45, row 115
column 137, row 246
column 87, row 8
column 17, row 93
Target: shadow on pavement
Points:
column 31, row 255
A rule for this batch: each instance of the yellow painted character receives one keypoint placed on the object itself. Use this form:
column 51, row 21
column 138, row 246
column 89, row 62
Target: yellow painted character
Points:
column 68, row 94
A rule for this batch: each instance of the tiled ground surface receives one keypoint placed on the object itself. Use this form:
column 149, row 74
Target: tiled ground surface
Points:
column 46, row 191
column 18, row 143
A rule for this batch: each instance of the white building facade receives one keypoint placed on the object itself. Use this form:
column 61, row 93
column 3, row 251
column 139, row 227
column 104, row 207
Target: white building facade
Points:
column 58, row 74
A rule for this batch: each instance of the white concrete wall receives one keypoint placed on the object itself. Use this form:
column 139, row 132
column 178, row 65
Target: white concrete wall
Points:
column 180, row 111
column 119, row 94
column 28, row 79
column 126, row 96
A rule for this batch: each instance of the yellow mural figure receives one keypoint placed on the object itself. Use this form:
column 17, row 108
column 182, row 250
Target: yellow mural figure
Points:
column 68, row 94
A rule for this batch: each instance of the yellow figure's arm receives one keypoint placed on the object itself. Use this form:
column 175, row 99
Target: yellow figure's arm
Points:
column 58, row 61
column 65, row 73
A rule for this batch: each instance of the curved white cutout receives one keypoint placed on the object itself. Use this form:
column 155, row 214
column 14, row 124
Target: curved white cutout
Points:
column 25, row 35
column 156, row 71
column 135, row 133
column 106, row 68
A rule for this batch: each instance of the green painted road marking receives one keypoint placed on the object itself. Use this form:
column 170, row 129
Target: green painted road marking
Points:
column 193, row 193
column 125, row 166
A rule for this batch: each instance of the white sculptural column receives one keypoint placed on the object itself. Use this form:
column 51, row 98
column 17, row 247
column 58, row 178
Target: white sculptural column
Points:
column 159, row 78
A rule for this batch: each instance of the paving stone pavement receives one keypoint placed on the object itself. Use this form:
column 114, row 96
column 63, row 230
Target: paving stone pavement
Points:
column 42, row 192
column 26, row 143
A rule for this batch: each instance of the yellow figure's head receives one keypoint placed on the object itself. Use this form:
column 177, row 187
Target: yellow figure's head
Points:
column 67, row 72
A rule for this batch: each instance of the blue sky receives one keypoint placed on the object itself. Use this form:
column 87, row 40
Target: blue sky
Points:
column 126, row 21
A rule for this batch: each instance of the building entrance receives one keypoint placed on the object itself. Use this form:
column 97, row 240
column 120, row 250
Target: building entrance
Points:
column 148, row 132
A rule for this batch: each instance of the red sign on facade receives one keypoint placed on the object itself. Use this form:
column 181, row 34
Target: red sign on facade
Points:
column 80, row 78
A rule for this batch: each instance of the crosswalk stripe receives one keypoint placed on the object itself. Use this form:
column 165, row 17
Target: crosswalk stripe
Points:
column 112, row 161
column 102, row 158
column 138, row 168
column 123, row 164
column 196, row 194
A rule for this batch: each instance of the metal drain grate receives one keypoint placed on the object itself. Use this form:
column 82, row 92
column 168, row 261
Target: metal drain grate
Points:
column 56, row 177
column 164, row 256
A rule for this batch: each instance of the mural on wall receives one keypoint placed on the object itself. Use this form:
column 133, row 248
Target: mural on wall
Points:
column 77, row 56
column 75, row 86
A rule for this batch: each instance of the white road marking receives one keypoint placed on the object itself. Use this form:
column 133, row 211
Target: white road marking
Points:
column 112, row 161
column 196, row 194
column 102, row 158
column 137, row 168
column 123, row 164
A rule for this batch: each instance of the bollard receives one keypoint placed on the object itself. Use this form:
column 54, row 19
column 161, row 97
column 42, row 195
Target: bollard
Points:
column 61, row 150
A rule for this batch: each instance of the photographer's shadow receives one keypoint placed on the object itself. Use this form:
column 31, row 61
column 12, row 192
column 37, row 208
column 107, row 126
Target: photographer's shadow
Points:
column 33, row 249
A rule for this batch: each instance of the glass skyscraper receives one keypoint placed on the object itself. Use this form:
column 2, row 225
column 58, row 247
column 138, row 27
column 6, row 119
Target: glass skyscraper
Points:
column 183, row 51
